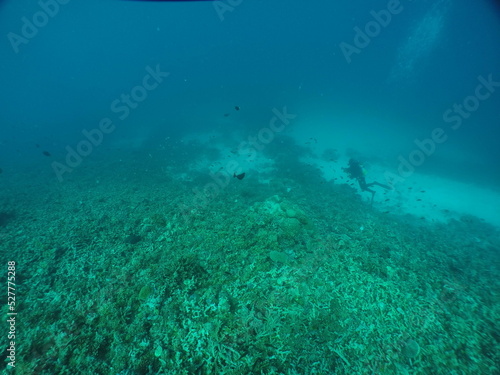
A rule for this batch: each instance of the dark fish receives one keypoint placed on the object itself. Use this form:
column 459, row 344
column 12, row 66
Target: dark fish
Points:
column 37, row 145
column 387, row 199
column 240, row 176
column 46, row 153
column 226, row 114
column 422, row 191
column 418, row 200
column 237, row 107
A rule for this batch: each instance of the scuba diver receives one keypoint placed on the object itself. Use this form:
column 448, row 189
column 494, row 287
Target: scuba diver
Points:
column 356, row 171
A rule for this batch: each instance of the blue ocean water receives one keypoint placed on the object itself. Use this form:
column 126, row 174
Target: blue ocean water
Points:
column 427, row 58
column 221, row 132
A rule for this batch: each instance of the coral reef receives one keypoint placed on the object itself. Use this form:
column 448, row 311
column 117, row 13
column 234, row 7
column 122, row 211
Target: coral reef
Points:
column 307, row 283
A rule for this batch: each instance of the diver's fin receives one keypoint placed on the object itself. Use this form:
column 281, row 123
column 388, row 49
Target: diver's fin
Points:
column 381, row 185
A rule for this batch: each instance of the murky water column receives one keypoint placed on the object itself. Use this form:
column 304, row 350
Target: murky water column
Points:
column 421, row 41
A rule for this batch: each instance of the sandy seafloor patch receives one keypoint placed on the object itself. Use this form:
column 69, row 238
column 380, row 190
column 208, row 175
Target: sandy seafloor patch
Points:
column 435, row 198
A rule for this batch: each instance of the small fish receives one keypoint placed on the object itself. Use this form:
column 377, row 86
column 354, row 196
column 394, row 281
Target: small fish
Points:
column 226, row 114
column 387, row 199
column 46, row 153
column 419, row 200
column 37, row 145
column 240, row 176
column 422, row 191
column 237, row 107
column 1, row 170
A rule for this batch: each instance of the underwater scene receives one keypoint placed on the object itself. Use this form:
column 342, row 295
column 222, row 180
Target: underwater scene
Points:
column 238, row 187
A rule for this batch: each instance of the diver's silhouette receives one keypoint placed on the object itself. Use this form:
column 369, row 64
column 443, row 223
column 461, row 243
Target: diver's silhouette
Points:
column 355, row 170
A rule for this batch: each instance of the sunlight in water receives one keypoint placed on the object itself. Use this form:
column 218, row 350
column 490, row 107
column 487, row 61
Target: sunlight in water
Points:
column 422, row 39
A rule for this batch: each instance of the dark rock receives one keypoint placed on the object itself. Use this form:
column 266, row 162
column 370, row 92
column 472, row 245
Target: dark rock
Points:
column 133, row 239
